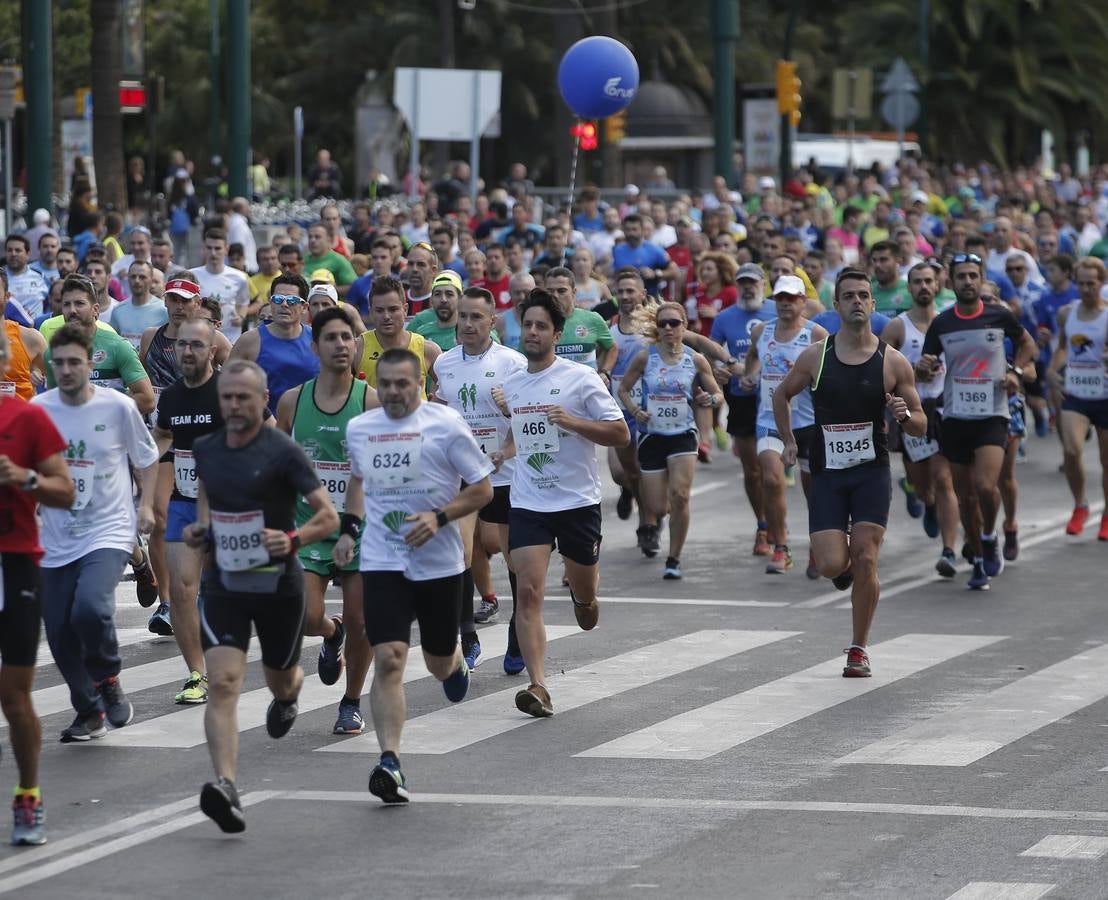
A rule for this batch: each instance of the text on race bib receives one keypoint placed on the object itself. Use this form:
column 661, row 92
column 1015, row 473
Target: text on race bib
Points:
column 1085, row 380
column 635, row 392
column 184, row 473
column 770, row 383
column 487, row 437
column 533, row 431
column 846, row 446
column 7, row 388
column 919, row 448
column 237, row 539
column 394, row 459
column 83, row 472
column 668, row 413
column 972, row 398
column 335, row 477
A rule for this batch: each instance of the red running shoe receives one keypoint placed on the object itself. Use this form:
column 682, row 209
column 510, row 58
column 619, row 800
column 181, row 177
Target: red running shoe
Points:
column 1077, row 521
column 857, row 663
column 1102, row 535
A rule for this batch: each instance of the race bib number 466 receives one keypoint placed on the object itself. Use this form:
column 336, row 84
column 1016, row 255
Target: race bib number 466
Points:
column 533, row 432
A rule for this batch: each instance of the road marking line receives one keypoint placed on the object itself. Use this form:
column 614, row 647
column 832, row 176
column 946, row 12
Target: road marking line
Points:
column 1002, row 890
column 987, row 723
column 92, row 854
column 720, row 726
column 924, row 573
column 185, row 728
column 452, row 728
column 1069, row 846
column 679, row 601
column 705, row 488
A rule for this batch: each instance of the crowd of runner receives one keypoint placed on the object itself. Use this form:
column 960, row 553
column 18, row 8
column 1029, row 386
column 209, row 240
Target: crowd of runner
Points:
column 402, row 424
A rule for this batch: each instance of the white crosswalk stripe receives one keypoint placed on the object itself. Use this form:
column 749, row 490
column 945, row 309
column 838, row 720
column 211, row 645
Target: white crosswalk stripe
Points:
column 717, row 727
column 1002, row 890
column 986, row 723
column 184, row 729
column 467, row 723
column 1069, row 846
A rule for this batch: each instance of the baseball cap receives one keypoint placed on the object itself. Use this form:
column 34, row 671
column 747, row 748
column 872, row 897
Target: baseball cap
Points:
column 324, row 275
column 448, row 278
column 789, row 284
column 920, row 197
column 750, row 270
column 631, row 189
column 766, row 183
column 41, row 217
column 181, row 288
column 327, row 290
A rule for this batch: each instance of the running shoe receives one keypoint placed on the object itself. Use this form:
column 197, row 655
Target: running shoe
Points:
column 587, row 614
column 649, row 541
column 387, row 782
column 219, row 801
column 280, row 716
column 159, row 622
column 1102, row 535
column 119, row 709
column 28, row 821
column 1042, row 426
column 978, row 581
column 513, row 657
column 704, row 453
column 844, row 579
column 857, row 663
column 1077, row 521
column 762, row 546
column 457, row 683
column 624, row 504
column 350, row 719
column 1011, row 544
column 535, row 701
column 146, row 582
column 672, row 571
column 947, row 566
column 722, row 441
column 471, row 650
column 931, row 521
column 967, row 553
column 990, row 553
column 195, row 689
column 488, row 610
column 331, row 660
column 85, row 728
column 914, row 504
column 813, row 570
column 780, row 562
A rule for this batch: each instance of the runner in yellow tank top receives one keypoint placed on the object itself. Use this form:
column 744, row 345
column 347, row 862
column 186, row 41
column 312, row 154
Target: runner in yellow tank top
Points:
column 387, row 311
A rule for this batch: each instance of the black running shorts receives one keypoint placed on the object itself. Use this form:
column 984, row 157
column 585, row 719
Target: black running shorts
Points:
column 392, row 602
column 959, row 439
column 226, row 619
column 844, row 496
column 21, row 617
column 575, row 532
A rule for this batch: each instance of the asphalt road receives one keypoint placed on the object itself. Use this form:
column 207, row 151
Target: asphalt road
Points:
column 704, row 744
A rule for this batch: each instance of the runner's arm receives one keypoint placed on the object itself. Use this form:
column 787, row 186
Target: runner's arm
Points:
column 707, row 346
column 707, row 381
column 196, row 534
column 54, row 486
column 631, row 376
column 1061, row 351
column 904, row 387
column 342, row 554
column 286, row 409
column 605, row 432
column 222, row 349
column 247, row 346
column 752, row 366
column 468, row 500
column 142, row 392
column 323, row 522
column 799, row 378
column 893, row 333
column 164, row 440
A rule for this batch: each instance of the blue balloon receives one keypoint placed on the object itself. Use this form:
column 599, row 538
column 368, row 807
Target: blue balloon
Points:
column 598, row 77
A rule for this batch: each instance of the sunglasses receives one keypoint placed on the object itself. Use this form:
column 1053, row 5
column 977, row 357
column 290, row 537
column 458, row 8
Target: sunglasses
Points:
column 280, row 299
column 196, row 346
column 670, row 323
column 959, row 258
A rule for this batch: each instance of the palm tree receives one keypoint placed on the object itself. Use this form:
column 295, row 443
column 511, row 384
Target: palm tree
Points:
column 107, row 123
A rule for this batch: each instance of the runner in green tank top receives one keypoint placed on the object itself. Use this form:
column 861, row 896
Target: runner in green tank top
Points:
column 316, row 415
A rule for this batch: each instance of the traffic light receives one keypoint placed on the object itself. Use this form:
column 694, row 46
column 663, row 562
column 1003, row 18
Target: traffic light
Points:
column 788, row 91
column 586, row 134
column 615, row 128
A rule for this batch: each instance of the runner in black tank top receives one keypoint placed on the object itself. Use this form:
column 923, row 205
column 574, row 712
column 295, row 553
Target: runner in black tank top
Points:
column 854, row 377
column 161, row 360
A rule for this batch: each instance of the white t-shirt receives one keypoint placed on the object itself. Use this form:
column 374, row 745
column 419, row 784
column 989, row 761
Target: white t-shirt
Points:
column 465, row 384
column 101, row 435
column 232, row 288
column 556, row 469
column 412, row 465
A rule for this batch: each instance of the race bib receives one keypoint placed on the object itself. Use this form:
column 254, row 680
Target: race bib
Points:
column 7, row 388
column 636, row 392
column 184, row 474
column 334, row 476
column 769, row 385
column 846, row 446
column 668, row 413
column 152, row 419
column 487, row 437
column 238, row 540
column 1085, row 380
column 972, row 398
column 533, row 433
column 82, row 471
column 394, row 461
column 918, row 448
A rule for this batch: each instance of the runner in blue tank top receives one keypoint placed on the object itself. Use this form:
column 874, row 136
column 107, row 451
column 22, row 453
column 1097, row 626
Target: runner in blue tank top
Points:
column 283, row 346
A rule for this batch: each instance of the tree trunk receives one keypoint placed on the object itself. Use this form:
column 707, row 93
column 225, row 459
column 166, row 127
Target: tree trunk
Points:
column 107, row 122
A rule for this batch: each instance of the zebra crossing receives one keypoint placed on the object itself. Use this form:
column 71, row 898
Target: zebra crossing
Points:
column 979, row 723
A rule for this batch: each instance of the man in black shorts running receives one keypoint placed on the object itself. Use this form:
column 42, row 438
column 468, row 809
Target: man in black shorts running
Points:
column 249, row 478
column 854, row 377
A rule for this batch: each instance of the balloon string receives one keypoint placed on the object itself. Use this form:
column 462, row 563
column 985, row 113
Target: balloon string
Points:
column 573, row 169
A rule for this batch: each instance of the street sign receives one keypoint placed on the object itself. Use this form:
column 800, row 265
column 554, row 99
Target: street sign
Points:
column 761, row 134
column 900, row 110
column 851, row 93
column 899, row 78
column 447, row 104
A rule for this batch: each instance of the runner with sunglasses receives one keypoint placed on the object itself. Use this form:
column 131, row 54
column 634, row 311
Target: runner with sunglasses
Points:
column 974, row 431
column 675, row 379
column 282, row 346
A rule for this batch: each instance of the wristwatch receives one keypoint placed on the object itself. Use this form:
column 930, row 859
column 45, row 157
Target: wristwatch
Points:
column 907, row 416
column 294, row 538
column 1017, row 371
column 440, row 518
column 32, row 481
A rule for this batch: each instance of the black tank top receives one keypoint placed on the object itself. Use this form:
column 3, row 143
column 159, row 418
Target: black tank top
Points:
column 847, row 395
column 161, row 360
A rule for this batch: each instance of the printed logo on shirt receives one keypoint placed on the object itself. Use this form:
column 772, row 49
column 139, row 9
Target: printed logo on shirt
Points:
column 75, row 451
column 554, row 391
column 101, row 428
column 539, row 461
column 581, row 331
column 467, row 396
column 98, row 356
column 393, row 520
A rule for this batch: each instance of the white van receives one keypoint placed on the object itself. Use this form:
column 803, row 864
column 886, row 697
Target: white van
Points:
column 833, row 152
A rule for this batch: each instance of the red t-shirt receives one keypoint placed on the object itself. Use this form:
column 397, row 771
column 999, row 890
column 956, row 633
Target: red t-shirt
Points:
column 728, row 296
column 27, row 437
column 499, row 290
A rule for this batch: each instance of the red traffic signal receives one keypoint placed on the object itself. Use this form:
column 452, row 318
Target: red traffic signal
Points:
column 586, row 133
